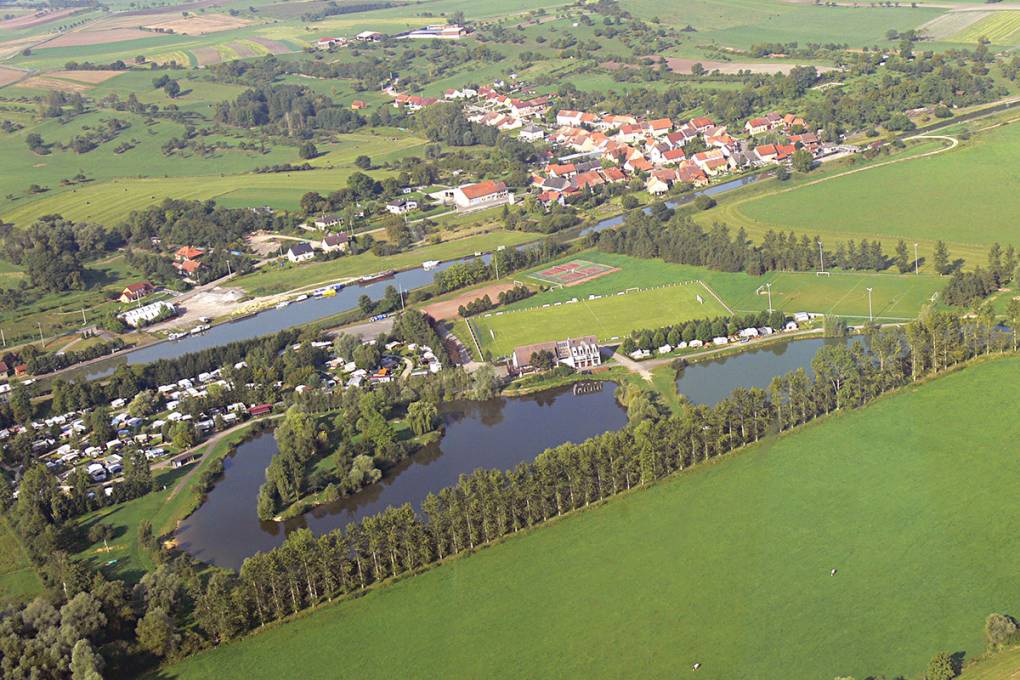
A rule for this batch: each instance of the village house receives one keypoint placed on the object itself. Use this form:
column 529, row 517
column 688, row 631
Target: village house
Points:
column 326, row 221
column 335, row 242
column 188, row 253
column 567, row 118
column 135, row 292
column 532, row 133
column 401, row 206
column 300, row 252
column 369, row 36
column 578, row 353
column 484, row 194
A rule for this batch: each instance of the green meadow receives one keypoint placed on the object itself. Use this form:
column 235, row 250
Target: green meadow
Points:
column 610, row 317
column 896, row 201
column 727, row 565
column 125, row 182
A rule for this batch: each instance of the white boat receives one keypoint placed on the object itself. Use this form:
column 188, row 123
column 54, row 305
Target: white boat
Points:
column 281, row 305
column 301, row 298
column 176, row 336
column 429, row 264
column 200, row 329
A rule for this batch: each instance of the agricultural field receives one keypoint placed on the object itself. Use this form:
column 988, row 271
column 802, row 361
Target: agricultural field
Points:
column 1000, row 28
column 610, row 317
column 742, row 23
column 673, row 574
column 894, row 201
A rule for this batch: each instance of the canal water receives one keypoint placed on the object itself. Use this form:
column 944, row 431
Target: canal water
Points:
column 709, row 382
column 498, row 433
column 274, row 320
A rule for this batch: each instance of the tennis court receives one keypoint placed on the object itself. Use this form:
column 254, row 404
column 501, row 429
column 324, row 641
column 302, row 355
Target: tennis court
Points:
column 573, row 273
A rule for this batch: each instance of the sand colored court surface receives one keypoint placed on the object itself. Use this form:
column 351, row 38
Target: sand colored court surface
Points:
column 447, row 309
column 573, row 273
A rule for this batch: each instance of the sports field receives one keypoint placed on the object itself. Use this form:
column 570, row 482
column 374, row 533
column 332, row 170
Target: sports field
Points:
column 895, row 201
column 727, row 565
column 608, row 317
column 894, row 297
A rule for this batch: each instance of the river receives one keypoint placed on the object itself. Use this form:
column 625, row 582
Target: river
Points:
column 714, row 190
column 272, row 320
column 498, row 433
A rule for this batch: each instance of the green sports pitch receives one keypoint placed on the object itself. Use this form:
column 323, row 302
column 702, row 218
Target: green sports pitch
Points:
column 845, row 294
column 606, row 317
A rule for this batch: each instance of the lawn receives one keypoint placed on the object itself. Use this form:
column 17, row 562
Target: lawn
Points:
column 727, row 565
column 18, row 579
column 895, row 201
column 607, row 318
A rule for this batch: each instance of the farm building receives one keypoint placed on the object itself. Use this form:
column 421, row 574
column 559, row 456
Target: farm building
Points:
column 482, row 195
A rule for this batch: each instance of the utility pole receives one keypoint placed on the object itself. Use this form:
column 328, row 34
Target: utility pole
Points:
column 870, row 315
column 39, row 323
column 84, row 321
column 821, row 258
column 769, row 286
column 400, row 288
column 2, row 337
column 915, row 260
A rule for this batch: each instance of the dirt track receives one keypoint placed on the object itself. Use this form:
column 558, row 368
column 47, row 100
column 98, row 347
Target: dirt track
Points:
column 447, row 309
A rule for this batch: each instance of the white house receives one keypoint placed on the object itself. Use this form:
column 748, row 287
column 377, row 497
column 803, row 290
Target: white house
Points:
column 335, row 242
column 300, row 252
column 401, row 206
column 577, row 353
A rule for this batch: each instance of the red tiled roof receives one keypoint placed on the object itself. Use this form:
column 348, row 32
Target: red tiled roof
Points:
column 486, row 188
column 189, row 252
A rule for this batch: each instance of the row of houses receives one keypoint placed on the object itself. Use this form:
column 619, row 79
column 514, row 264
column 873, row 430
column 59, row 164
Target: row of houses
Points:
column 335, row 242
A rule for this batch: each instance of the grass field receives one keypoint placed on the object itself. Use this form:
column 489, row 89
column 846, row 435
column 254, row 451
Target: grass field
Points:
column 842, row 293
column 727, row 565
column 18, row 579
column 895, row 201
column 606, row 318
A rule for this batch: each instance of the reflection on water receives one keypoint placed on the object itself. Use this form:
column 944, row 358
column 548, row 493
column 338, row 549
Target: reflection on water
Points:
column 498, row 433
column 711, row 381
